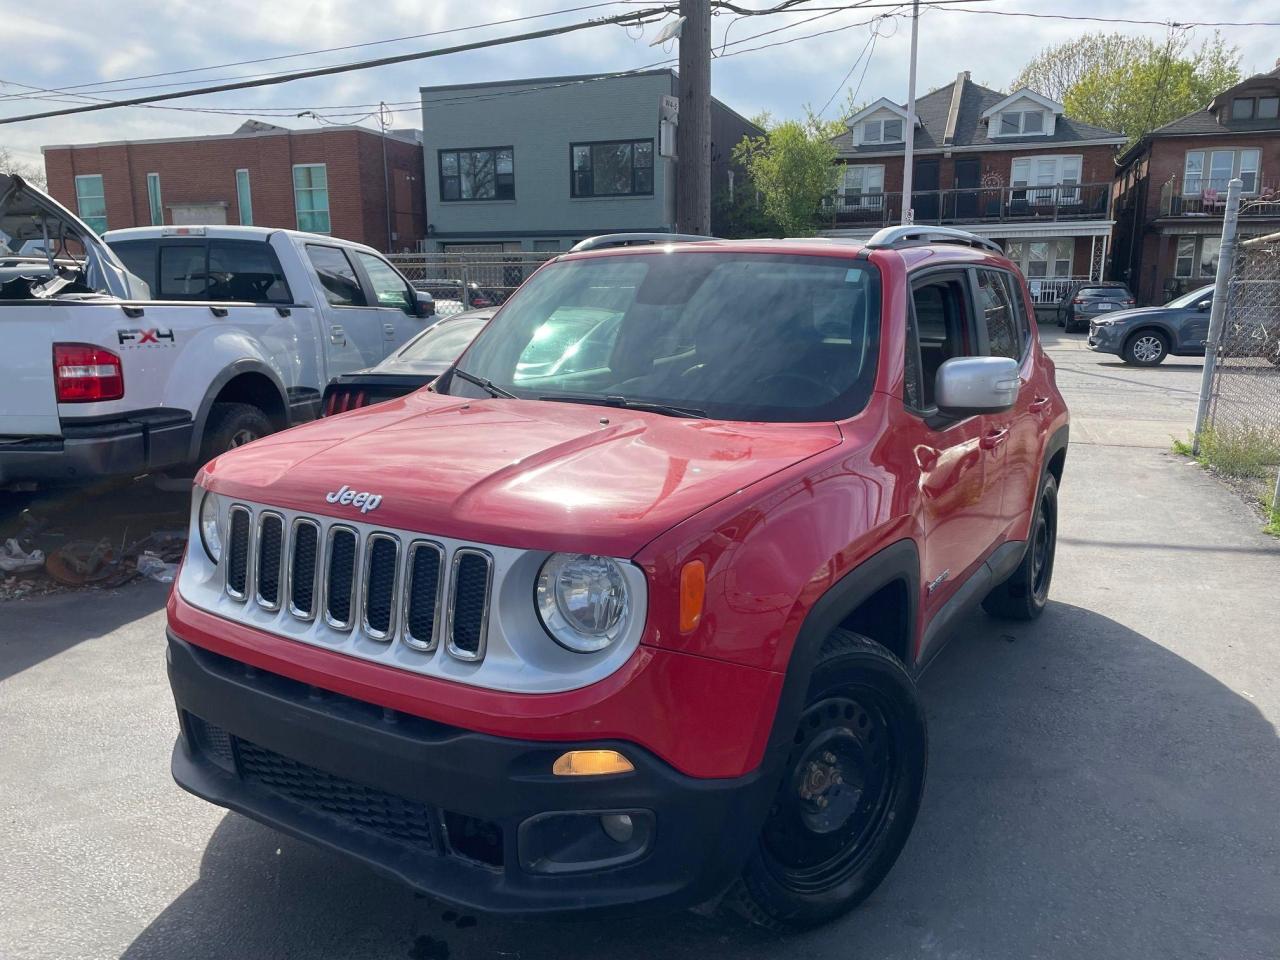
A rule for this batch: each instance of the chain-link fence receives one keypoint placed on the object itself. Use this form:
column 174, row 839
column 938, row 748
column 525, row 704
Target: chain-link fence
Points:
column 1242, row 436
column 469, row 281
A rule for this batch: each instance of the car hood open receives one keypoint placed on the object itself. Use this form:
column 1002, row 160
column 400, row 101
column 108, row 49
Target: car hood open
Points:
column 519, row 473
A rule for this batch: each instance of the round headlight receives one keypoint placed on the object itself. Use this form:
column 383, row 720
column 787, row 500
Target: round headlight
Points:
column 583, row 601
column 210, row 535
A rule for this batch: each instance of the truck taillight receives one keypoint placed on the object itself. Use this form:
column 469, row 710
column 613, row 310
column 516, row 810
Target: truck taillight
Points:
column 83, row 373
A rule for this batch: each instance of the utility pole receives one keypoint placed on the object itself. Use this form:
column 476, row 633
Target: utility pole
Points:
column 384, row 120
column 1218, row 312
column 908, row 156
column 693, row 135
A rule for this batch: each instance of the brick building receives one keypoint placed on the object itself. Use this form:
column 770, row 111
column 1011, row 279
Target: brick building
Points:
column 1011, row 167
column 1171, row 189
column 325, row 180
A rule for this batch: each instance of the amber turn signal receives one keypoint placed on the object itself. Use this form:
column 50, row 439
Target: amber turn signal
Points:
column 693, row 590
column 590, row 763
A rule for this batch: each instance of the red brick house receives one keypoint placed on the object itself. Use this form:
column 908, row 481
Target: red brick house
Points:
column 326, row 180
column 1012, row 167
column 1171, row 189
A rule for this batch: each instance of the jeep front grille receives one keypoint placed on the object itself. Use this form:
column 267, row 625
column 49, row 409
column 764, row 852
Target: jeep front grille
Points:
column 368, row 584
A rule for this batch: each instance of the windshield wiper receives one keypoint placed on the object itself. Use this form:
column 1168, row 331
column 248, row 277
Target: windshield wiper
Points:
column 488, row 386
column 647, row 406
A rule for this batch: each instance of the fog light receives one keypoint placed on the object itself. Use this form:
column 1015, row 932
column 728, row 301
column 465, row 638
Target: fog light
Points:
column 618, row 826
column 590, row 763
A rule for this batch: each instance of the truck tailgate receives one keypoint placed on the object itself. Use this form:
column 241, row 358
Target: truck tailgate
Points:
column 27, row 403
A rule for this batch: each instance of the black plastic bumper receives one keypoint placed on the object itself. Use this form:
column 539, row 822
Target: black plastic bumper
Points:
column 140, row 443
column 458, row 815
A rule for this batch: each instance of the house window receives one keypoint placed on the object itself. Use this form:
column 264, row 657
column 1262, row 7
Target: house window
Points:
column 153, row 198
column 1268, row 108
column 1185, row 262
column 1222, row 166
column 1197, row 256
column 311, row 197
column 1015, row 122
column 1242, row 108
column 244, row 198
column 1042, row 258
column 1255, row 108
column 617, row 168
column 91, row 201
column 1052, row 171
column 862, row 185
column 486, row 173
column 882, row 131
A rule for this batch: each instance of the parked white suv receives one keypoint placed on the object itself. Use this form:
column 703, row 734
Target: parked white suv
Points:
column 240, row 332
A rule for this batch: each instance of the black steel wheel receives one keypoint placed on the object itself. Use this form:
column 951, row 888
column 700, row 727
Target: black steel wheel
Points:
column 1024, row 594
column 848, row 795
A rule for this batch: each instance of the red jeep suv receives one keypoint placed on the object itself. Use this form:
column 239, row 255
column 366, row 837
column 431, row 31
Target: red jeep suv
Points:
column 639, row 626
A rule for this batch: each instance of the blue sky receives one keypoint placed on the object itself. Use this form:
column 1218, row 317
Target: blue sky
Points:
column 78, row 43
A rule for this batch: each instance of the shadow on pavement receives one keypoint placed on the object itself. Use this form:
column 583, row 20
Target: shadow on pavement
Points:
column 1090, row 794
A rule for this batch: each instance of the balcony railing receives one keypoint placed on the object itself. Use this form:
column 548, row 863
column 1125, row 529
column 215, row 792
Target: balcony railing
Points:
column 1085, row 201
column 1207, row 197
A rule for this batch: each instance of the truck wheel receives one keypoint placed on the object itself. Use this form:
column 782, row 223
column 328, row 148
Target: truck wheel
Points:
column 1024, row 595
column 849, row 793
column 232, row 425
column 1146, row 348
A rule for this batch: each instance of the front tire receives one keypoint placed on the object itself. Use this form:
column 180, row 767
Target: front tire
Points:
column 1024, row 595
column 1146, row 348
column 849, row 794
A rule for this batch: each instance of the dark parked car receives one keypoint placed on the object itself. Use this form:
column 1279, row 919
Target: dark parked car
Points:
column 410, row 368
column 1088, row 300
column 1147, row 335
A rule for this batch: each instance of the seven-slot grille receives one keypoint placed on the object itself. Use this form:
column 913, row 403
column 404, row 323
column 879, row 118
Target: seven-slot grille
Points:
column 375, row 584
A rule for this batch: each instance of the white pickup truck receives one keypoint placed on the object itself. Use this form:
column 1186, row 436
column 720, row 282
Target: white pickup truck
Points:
column 165, row 346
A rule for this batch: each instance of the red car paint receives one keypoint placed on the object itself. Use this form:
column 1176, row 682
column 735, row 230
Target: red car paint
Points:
column 778, row 513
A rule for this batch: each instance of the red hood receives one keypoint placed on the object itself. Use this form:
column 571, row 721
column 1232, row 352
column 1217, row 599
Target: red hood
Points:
column 536, row 475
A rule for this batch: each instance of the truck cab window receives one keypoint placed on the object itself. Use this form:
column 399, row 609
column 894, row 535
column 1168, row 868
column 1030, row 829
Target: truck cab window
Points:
column 337, row 276
column 389, row 288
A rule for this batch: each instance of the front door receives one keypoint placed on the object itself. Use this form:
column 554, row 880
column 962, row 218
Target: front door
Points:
column 968, row 176
column 394, row 298
column 924, row 190
column 353, row 327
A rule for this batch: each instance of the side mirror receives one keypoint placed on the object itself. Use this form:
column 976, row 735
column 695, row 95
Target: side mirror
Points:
column 424, row 304
column 969, row 385
column 1204, row 305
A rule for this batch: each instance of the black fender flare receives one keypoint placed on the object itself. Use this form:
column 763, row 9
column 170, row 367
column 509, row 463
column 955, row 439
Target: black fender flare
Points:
column 1055, row 445
column 898, row 562
column 229, row 373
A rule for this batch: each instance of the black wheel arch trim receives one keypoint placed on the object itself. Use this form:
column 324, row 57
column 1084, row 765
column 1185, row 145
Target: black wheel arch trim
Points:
column 229, row 373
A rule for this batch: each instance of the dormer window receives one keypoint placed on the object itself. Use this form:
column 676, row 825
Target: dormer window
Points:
column 1255, row 108
column 1016, row 122
column 882, row 131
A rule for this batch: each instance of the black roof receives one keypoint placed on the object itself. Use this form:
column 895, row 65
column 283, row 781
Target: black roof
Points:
column 933, row 108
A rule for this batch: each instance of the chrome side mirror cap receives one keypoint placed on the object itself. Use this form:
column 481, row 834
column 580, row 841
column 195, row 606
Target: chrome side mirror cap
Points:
column 969, row 385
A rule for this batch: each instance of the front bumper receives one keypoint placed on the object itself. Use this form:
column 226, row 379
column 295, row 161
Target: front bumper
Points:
column 1108, row 338
column 138, row 443
column 459, row 815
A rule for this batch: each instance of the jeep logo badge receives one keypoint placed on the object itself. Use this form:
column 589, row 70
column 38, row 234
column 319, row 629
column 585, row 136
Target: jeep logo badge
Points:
column 345, row 495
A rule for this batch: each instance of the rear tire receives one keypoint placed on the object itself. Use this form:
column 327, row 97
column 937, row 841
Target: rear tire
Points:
column 1146, row 348
column 1023, row 596
column 232, row 425
column 849, row 794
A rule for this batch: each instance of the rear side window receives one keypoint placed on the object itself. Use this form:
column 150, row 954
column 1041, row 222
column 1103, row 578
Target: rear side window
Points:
column 995, row 310
column 337, row 276
column 246, row 270
column 390, row 289
column 139, row 258
column 218, row 270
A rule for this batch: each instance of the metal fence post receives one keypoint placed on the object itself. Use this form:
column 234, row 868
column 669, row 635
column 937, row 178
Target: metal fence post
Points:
column 1218, row 312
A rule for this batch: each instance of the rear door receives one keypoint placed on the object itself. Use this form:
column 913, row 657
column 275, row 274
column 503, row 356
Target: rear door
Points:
column 394, row 299
column 353, row 327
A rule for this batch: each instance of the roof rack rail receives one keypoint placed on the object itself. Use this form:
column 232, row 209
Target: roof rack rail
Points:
column 634, row 240
column 908, row 235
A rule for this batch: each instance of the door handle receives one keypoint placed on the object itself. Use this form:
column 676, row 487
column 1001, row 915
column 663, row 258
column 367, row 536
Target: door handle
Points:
column 994, row 439
column 389, row 331
column 337, row 335
column 1038, row 404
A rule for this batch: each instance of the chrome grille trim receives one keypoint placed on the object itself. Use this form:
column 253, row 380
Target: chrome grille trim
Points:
column 461, row 653
column 291, row 567
column 367, row 567
column 239, row 509
column 406, row 618
column 263, row 517
column 327, row 577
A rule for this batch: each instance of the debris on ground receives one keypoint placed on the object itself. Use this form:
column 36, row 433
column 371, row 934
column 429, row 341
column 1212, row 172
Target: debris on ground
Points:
column 15, row 559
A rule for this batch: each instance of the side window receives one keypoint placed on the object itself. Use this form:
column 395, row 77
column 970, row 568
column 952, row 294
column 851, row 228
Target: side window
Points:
column 1019, row 310
column 184, row 273
column 941, row 330
column 389, row 288
column 337, row 276
column 246, row 270
column 995, row 309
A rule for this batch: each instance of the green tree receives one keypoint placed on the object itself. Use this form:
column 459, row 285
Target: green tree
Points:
column 792, row 168
column 1132, row 84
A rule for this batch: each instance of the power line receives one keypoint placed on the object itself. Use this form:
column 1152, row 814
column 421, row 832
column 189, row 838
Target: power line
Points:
column 1175, row 24
column 865, row 47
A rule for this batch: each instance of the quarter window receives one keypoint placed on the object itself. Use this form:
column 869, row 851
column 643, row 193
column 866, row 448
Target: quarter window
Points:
column 613, row 169
column 337, row 276
column 91, row 201
column 389, row 288
column 486, row 173
column 311, row 197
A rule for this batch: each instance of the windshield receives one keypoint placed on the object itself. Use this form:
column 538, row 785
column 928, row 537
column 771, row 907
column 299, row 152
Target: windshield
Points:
column 1192, row 298
column 737, row 336
column 443, row 342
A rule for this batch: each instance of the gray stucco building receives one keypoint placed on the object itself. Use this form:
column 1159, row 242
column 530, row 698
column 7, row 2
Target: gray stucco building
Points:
column 538, row 164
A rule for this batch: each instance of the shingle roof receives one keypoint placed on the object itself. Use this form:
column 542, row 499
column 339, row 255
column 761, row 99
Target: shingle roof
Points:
column 932, row 110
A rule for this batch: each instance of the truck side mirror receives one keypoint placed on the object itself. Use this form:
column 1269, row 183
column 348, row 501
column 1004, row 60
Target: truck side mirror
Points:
column 969, row 385
column 424, row 304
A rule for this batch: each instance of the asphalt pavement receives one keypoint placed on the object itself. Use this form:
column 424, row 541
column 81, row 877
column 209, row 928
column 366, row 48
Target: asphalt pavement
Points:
column 1102, row 783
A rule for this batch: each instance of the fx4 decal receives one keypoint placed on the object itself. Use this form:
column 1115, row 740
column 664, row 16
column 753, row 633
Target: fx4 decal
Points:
column 141, row 337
